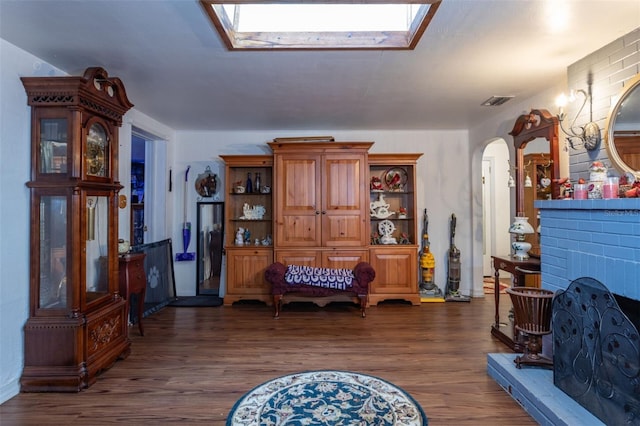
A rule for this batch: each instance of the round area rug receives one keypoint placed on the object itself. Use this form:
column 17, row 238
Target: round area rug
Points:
column 326, row 398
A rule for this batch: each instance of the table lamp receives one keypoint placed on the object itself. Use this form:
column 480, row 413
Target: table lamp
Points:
column 520, row 228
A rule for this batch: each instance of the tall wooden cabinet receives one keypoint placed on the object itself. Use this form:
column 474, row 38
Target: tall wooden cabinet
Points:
column 319, row 214
column 248, row 226
column 77, row 323
column 321, row 203
column 392, row 184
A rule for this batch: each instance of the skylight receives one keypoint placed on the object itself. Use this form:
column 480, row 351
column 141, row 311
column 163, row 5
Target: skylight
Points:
column 352, row 24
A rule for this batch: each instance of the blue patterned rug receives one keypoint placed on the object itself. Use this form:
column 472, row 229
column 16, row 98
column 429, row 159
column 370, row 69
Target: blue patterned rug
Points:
column 327, row 398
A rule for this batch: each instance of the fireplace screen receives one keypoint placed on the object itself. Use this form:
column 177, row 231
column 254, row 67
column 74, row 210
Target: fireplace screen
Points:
column 596, row 352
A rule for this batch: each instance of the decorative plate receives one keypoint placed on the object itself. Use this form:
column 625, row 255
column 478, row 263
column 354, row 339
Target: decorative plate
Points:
column 396, row 178
column 207, row 183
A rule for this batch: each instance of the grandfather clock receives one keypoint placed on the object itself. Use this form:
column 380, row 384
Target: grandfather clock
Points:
column 77, row 324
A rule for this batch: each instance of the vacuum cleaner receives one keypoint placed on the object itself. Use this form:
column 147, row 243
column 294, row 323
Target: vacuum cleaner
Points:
column 453, row 273
column 429, row 291
column 186, row 226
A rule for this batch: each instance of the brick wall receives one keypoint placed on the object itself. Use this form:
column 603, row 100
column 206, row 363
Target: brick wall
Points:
column 611, row 67
column 591, row 238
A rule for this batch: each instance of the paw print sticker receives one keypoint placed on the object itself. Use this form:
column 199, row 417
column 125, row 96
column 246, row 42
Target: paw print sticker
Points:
column 154, row 277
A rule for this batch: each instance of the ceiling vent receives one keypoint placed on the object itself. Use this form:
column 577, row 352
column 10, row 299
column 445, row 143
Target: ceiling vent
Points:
column 496, row 100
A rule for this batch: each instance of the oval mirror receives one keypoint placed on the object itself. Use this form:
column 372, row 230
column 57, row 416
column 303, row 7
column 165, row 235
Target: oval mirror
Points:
column 623, row 130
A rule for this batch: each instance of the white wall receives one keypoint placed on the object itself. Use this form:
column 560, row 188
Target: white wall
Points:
column 15, row 157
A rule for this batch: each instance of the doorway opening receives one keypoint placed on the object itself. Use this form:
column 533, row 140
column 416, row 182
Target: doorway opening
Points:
column 496, row 203
column 137, row 226
column 149, row 187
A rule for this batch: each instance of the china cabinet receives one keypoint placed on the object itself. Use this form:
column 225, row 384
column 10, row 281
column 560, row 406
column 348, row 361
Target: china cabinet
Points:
column 320, row 202
column 77, row 324
column 394, row 237
column 248, row 216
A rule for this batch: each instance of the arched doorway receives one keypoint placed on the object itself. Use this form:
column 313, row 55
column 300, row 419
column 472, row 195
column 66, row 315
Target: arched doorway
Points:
column 496, row 202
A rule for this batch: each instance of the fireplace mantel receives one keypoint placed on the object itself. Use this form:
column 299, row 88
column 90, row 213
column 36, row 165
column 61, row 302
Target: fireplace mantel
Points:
column 591, row 238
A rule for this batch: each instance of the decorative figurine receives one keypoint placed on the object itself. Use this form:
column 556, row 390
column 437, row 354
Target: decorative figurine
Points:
column 375, row 238
column 240, row 237
column 380, row 208
column 565, row 188
column 252, row 212
column 376, row 184
column 402, row 213
column 386, row 229
column 247, row 236
column 404, row 238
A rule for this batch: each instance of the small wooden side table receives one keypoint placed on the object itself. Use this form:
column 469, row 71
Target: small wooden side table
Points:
column 133, row 280
column 519, row 269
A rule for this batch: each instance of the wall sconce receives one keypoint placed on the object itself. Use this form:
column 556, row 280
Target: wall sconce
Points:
column 589, row 134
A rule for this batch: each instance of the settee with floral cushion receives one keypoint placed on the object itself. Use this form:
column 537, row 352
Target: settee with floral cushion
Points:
column 308, row 281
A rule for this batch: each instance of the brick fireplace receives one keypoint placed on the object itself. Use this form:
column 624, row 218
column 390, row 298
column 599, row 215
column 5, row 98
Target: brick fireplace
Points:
column 591, row 238
column 599, row 239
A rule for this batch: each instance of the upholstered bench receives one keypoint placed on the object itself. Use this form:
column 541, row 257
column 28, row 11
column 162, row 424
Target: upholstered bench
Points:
column 319, row 282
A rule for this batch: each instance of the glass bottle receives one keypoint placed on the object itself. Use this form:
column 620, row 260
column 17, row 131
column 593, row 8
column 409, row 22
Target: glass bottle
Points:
column 256, row 186
column 249, row 185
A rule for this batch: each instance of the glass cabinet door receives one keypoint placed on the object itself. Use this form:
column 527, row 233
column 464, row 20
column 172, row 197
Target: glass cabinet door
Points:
column 53, row 145
column 97, row 246
column 53, row 252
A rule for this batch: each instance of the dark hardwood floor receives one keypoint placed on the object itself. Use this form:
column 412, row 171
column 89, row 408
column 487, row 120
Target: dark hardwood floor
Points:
column 193, row 364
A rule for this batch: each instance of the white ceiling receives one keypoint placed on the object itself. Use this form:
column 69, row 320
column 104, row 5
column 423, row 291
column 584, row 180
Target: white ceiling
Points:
column 177, row 71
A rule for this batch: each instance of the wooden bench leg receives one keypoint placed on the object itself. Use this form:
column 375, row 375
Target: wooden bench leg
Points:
column 277, row 304
column 363, row 304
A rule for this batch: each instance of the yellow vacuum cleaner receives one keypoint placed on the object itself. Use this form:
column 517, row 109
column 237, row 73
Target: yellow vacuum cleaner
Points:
column 429, row 291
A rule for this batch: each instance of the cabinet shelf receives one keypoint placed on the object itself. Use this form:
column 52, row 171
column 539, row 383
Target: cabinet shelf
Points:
column 250, row 194
column 375, row 219
column 392, row 192
column 251, row 220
